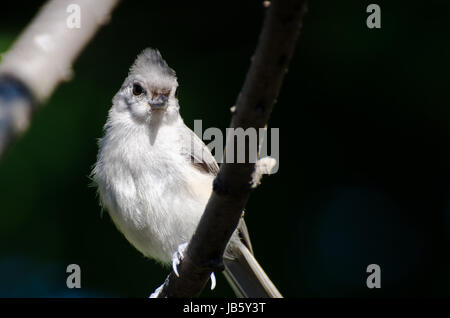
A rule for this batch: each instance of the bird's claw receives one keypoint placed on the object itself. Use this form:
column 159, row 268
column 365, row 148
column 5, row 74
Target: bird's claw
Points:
column 213, row 280
column 155, row 294
column 177, row 257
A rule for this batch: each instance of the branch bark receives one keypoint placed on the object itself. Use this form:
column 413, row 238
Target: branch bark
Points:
column 232, row 186
column 42, row 58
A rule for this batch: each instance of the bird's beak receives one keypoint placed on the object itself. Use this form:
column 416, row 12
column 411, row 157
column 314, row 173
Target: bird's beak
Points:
column 159, row 102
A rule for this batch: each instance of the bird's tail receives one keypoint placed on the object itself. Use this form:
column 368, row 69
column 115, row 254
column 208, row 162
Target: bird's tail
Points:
column 246, row 276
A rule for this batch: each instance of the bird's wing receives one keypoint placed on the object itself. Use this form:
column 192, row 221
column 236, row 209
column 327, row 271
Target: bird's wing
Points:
column 198, row 153
column 201, row 158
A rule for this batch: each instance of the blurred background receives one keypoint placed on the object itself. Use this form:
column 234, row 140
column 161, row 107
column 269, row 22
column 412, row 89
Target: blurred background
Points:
column 364, row 174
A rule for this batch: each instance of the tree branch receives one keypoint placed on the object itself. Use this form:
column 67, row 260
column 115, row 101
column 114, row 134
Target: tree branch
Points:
column 42, row 58
column 232, row 186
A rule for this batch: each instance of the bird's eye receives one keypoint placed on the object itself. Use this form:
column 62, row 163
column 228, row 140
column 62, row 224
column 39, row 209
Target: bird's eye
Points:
column 137, row 89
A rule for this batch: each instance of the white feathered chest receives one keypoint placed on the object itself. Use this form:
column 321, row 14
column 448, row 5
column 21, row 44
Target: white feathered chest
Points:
column 151, row 190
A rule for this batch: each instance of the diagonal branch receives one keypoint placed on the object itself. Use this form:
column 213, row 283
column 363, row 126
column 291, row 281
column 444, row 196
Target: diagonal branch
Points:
column 42, row 58
column 232, row 186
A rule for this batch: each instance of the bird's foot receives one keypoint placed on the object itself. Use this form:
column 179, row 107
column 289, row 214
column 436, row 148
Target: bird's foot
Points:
column 155, row 294
column 178, row 257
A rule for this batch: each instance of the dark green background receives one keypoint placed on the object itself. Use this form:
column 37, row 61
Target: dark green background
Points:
column 364, row 172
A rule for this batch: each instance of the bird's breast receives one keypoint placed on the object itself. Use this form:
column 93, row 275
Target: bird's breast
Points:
column 152, row 194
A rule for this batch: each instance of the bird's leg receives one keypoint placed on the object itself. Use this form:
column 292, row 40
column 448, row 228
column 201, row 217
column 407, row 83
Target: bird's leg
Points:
column 178, row 257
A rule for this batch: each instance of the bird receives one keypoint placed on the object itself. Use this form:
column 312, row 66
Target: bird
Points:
column 154, row 176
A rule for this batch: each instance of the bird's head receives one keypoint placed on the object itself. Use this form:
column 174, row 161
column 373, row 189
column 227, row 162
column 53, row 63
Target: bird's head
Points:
column 150, row 90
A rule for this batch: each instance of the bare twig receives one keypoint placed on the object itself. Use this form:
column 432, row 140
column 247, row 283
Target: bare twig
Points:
column 232, row 186
column 42, row 58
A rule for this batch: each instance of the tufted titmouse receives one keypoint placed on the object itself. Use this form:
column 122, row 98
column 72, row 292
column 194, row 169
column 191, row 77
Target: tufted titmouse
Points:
column 154, row 175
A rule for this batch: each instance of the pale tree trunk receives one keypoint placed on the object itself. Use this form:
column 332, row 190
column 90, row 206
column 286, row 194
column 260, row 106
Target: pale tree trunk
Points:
column 42, row 58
